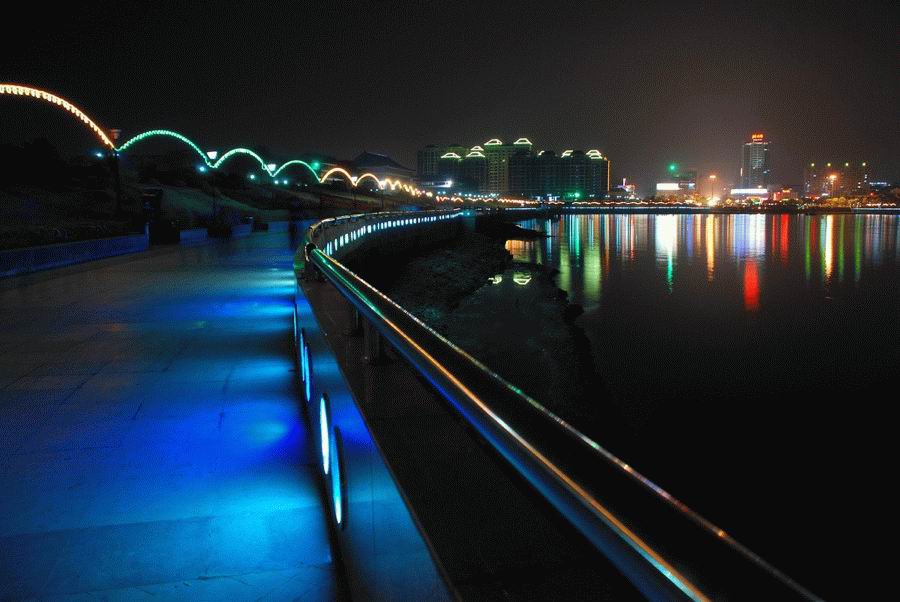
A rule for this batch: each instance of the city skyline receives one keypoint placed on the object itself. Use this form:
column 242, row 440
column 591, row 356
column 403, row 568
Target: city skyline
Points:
column 513, row 169
column 587, row 75
column 447, row 301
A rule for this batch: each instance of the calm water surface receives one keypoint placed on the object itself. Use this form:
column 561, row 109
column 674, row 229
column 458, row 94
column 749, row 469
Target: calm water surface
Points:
column 749, row 364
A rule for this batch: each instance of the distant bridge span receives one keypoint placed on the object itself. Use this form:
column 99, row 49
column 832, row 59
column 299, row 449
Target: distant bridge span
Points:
column 210, row 159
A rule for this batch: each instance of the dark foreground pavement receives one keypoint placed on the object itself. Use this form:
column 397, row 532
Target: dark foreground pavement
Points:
column 151, row 442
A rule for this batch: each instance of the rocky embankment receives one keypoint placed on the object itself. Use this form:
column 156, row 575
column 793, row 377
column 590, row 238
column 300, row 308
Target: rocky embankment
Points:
column 510, row 316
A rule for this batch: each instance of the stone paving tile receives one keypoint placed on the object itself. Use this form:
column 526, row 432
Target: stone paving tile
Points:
column 303, row 583
column 69, row 368
column 22, row 414
column 45, row 383
column 151, row 439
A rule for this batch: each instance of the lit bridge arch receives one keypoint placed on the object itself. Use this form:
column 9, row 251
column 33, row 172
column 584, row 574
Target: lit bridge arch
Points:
column 209, row 159
column 17, row 90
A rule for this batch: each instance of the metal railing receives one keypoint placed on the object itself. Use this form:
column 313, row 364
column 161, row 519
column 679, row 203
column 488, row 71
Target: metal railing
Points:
column 664, row 548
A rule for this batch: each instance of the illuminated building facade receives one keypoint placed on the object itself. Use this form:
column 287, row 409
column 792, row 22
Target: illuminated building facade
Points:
column 680, row 183
column 427, row 162
column 835, row 178
column 571, row 176
column 790, row 192
column 498, row 155
column 755, row 162
column 495, row 167
column 473, row 171
column 432, row 164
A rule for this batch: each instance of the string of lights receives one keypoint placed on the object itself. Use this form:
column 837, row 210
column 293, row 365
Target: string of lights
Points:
column 211, row 159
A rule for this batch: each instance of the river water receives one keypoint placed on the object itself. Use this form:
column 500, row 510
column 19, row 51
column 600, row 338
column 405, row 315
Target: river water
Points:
column 749, row 366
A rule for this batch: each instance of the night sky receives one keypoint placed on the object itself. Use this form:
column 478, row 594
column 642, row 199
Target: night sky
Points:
column 646, row 84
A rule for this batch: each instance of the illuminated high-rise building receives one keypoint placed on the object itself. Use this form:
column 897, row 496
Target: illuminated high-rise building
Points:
column 571, row 176
column 755, row 162
column 473, row 170
column 498, row 155
column 838, row 178
column 427, row 162
column 495, row 167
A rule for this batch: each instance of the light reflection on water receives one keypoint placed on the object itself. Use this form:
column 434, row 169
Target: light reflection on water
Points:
column 827, row 249
column 739, row 354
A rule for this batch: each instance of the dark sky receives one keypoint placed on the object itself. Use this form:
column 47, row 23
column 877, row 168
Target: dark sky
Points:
column 645, row 83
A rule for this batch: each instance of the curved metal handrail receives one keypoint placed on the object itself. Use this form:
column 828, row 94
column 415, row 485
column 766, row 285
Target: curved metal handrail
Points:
column 666, row 549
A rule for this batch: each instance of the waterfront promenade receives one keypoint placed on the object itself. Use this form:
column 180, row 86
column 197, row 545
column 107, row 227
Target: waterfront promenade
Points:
column 151, row 439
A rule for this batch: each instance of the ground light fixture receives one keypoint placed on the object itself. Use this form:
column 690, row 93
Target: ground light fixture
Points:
column 305, row 368
column 307, row 381
column 325, row 432
column 338, row 480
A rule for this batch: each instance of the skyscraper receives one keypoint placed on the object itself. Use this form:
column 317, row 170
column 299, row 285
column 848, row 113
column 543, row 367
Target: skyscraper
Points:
column 573, row 175
column 497, row 168
column 498, row 155
column 755, row 162
column 835, row 179
column 427, row 162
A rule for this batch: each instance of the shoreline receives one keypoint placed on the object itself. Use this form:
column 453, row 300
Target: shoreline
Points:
column 473, row 293
column 511, row 212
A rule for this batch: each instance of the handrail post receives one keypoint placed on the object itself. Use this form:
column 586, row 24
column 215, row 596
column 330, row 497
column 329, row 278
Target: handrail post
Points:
column 373, row 346
column 354, row 328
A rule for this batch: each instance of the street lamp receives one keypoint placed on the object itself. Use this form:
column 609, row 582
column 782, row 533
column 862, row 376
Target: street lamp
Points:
column 114, row 163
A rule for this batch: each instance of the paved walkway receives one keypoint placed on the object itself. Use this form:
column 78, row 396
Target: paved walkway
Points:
column 151, row 443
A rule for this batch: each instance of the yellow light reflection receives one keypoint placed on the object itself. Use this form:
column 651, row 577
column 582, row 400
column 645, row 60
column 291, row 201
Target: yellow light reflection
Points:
column 521, row 278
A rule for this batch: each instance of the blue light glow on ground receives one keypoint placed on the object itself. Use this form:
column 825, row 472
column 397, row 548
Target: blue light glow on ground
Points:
column 151, row 440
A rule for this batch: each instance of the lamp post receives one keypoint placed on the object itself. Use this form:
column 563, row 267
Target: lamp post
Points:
column 114, row 166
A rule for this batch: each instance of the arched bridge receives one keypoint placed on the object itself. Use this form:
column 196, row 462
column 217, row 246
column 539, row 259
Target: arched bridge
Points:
column 211, row 159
